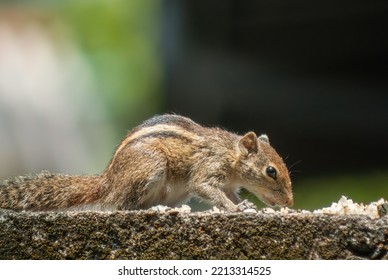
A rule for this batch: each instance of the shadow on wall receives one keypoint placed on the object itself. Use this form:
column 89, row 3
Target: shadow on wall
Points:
column 311, row 75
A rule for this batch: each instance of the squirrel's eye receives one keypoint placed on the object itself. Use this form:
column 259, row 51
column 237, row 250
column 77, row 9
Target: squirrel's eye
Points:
column 271, row 172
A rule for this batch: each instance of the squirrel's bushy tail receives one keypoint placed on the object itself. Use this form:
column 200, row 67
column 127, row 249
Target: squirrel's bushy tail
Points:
column 46, row 191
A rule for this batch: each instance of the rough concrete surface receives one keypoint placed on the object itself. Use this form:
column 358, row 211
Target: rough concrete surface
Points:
column 202, row 235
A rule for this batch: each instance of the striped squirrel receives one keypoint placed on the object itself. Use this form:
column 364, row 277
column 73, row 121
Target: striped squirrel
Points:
column 166, row 160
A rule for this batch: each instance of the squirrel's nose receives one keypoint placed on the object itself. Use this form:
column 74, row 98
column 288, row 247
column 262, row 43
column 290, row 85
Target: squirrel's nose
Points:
column 290, row 201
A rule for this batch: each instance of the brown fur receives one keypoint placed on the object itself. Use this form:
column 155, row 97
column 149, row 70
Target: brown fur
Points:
column 166, row 160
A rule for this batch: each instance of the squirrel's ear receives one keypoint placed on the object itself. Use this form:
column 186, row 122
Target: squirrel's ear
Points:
column 248, row 143
column 264, row 138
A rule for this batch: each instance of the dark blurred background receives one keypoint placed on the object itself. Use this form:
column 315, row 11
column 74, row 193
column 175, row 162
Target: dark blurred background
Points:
column 75, row 76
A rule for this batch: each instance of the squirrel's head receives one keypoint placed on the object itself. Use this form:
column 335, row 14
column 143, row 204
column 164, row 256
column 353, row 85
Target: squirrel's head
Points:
column 262, row 171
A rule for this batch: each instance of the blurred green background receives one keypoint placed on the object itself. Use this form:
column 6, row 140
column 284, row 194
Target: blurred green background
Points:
column 75, row 76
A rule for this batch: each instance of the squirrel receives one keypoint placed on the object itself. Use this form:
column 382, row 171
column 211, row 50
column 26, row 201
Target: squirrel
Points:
column 165, row 160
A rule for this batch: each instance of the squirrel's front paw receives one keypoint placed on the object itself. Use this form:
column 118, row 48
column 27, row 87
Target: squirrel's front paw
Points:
column 246, row 205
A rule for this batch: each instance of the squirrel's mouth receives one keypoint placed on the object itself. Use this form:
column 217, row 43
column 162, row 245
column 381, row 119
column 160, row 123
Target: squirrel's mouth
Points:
column 268, row 201
column 275, row 202
column 273, row 198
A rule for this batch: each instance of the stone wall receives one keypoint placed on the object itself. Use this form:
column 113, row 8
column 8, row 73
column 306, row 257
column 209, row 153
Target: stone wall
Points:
column 202, row 235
